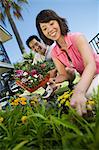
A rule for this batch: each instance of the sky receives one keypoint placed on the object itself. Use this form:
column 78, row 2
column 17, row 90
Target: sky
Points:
column 82, row 16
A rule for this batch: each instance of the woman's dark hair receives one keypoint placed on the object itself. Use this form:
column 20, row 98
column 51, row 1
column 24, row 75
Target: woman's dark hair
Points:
column 45, row 16
column 30, row 39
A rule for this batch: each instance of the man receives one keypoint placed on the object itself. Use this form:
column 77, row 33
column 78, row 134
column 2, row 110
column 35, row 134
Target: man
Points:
column 42, row 52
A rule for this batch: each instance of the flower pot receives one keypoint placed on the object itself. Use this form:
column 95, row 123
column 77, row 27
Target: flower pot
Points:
column 41, row 84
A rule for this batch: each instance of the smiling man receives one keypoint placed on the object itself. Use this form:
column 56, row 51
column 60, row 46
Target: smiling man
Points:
column 41, row 50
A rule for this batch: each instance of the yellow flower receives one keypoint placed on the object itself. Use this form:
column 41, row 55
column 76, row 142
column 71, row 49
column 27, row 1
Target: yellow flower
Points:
column 14, row 103
column 24, row 119
column 65, row 93
column 62, row 101
column 71, row 93
column 89, row 107
column 23, row 99
column 23, row 102
column 60, row 97
column 1, row 119
column 33, row 103
column 35, row 99
column 67, row 103
column 17, row 100
column 91, row 102
column 66, row 96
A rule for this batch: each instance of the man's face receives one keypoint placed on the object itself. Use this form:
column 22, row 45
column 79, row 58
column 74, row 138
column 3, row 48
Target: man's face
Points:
column 37, row 46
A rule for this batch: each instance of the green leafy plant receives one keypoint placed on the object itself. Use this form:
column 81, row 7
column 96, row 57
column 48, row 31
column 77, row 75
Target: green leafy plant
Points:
column 35, row 123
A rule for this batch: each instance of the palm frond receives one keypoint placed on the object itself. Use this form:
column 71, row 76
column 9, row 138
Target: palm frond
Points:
column 17, row 14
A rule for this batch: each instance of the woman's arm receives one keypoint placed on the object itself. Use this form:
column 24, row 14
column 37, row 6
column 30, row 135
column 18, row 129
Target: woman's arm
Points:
column 63, row 73
column 89, row 64
column 78, row 99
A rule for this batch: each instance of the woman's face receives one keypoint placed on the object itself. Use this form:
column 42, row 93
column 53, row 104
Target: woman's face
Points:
column 51, row 30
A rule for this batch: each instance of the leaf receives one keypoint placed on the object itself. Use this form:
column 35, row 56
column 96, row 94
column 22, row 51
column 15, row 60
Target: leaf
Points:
column 38, row 115
column 5, row 129
column 18, row 146
column 66, row 124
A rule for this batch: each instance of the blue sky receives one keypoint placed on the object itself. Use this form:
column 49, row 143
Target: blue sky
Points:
column 82, row 16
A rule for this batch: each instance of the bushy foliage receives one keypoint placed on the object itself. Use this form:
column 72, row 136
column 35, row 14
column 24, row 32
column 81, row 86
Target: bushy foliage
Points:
column 35, row 123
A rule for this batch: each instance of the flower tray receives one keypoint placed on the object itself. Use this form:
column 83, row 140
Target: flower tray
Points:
column 41, row 84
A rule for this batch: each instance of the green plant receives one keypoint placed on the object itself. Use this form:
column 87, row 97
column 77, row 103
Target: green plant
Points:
column 35, row 123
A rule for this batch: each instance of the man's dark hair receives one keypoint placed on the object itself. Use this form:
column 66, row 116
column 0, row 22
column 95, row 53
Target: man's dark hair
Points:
column 47, row 15
column 31, row 38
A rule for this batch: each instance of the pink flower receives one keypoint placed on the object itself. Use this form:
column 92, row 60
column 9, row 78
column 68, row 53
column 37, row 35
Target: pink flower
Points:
column 19, row 73
column 43, row 65
column 33, row 72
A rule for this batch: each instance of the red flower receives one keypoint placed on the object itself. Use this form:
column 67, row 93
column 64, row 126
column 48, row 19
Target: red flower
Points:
column 19, row 73
column 33, row 72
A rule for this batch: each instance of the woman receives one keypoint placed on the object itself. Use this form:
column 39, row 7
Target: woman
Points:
column 72, row 50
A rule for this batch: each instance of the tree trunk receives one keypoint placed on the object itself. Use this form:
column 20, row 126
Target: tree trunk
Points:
column 16, row 33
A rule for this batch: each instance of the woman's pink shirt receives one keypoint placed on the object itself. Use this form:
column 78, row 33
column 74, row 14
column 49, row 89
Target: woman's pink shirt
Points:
column 73, row 53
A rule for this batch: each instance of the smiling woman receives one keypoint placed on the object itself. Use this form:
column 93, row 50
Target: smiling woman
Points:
column 70, row 51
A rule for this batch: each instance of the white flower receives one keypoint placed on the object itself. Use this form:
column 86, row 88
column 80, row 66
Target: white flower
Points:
column 25, row 74
column 36, row 76
column 24, row 80
column 29, row 77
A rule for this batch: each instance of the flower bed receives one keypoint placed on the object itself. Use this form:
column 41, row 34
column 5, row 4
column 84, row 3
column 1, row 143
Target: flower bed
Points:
column 35, row 123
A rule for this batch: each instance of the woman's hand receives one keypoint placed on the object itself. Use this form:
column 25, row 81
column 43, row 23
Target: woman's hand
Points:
column 53, row 73
column 52, row 80
column 78, row 101
column 70, row 73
